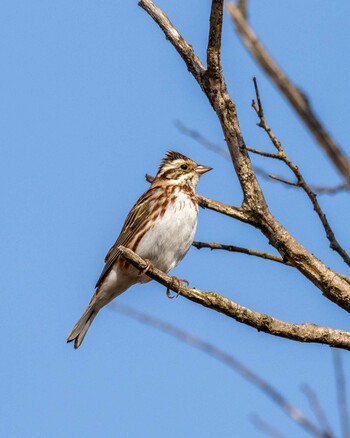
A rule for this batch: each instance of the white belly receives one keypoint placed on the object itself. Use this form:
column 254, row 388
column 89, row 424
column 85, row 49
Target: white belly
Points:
column 168, row 241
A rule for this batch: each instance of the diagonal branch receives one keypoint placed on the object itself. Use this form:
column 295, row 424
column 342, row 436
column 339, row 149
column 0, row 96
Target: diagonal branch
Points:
column 232, row 248
column 265, row 427
column 297, row 332
column 292, row 411
column 317, row 409
column 334, row 244
column 295, row 97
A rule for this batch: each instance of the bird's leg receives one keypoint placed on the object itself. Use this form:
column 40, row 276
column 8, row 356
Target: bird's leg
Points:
column 180, row 282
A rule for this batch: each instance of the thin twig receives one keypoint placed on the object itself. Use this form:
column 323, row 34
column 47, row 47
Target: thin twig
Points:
column 292, row 412
column 295, row 97
column 298, row 332
column 343, row 407
column 197, row 136
column 232, row 248
column 202, row 140
column 263, row 153
column 317, row 409
column 334, row 244
column 283, row 180
column 266, row 428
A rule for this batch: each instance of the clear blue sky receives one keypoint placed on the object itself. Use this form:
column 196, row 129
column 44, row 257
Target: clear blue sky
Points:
column 89, row 93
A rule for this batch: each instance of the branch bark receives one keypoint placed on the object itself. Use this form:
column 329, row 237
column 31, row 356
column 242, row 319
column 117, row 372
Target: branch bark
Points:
column 329, row 282
column 297, row 332
column 295, row 97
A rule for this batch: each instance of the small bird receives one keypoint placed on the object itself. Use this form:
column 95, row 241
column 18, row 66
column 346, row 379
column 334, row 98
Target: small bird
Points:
column 160, row 228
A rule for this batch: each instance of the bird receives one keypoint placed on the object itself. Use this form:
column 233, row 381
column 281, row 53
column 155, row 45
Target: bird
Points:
column 160, row 228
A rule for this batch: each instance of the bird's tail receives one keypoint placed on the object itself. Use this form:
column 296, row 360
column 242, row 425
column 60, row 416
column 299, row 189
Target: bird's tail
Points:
column 82, row 326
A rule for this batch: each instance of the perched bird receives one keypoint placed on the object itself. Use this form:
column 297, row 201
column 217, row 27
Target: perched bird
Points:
column 160, row 228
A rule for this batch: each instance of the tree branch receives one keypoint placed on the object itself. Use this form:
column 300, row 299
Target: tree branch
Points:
column 316, row 408
column 265, row 427
column 214, row 42
column 329, row 282
column 295, row 97
column 334, row 244
column 232, row 248
column 290, row 410
column 297, row 332
column 258, row 170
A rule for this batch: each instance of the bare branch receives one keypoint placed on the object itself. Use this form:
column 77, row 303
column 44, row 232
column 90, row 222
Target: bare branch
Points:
column 254, row 204
column 295, row 97
column 232, row 248
column 329, row 190
column 202, row 140
column 258, row 170
column 334, row 244
column 317, row 409
column 262, row 153
column 243, row 6
column 266, row 428
column 297, row 332
column 283, row 180
column 292, row 412
column 341, row 395
column 214, row 42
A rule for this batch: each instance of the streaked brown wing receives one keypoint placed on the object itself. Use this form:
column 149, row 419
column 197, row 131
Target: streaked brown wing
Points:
column 137, row 216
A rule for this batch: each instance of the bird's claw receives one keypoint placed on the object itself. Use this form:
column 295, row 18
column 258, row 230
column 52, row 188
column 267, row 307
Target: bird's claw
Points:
column 146, row 269
column 180, row 282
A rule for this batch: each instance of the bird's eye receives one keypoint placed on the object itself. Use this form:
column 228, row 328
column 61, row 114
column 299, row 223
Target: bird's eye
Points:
column 184, row 166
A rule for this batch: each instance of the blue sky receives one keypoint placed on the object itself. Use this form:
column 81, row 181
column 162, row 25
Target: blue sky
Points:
column 89, row 95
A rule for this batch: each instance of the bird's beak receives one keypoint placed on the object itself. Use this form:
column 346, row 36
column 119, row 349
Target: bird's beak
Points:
column 202, row 169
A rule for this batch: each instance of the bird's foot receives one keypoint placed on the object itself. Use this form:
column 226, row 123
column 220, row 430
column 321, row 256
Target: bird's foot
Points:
column 180, row 282
column 146, row 269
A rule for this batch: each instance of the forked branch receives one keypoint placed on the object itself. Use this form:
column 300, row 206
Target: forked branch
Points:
column 281, row 155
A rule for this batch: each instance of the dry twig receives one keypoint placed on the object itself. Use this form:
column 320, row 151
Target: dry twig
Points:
column 281, row 155
column 197, row 136
column 265, row 427
column 232, row 248
column 317, row 409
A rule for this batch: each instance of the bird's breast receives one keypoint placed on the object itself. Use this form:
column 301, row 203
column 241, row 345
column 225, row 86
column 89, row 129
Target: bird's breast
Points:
column 170, row 236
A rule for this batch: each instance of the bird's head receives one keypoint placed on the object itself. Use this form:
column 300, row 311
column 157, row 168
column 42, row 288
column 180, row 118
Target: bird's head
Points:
column 181, row 169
